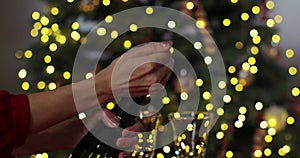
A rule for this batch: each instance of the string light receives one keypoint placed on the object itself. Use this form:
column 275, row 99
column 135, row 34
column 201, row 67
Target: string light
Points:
column 55, row 27
column 199, row 82
column 220, row 111
column 50, row 69
column 108, row 19
column 149, row 10
column 295, row 91
column 233, row 1
column 245, row 16
column 133, row 27
column 227, row 98
column 270, row 4
column 54, row 11
column 184, row 96
column 41, row 85
column 259, row 106
column 66, row 75
column 254, row 50
column 47, row 59
column 258, row 153
column 276, row 38
column 290, row 120
column 35, row 15
column 234, row 81
column 270, row 23
column 25, row 86
column 44, row 20
column 198, row 45
column 226, row 22
column 224, row 126
column 127, row 44
column 229, row 154
column 75, row 35
column 263, row 125
column 201, row 23
column 255, row 9
column 171, row 24
column 22, row 73
column 28, row 54
column 114, row 34
column 268, row 152
column 220, row 135
column 206, row 95
column 52, row 86
column 278, row 19
column 209, row 107
column 289, row 53
column 44, row 38
column 70, row 1
column 256, row 40
column 166, row 100
column 52, row 47
column 37, row 25
column 239, row 45
column 268, row 139
column 231, row 69
column 110, row 105
column 75, row 25
column 293, row 70
column 222, row 84
column 190, row 5
column 106, row 2
column 101, row 31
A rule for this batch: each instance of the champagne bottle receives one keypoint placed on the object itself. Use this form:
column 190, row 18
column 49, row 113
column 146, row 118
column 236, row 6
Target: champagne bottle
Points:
column 91, row 147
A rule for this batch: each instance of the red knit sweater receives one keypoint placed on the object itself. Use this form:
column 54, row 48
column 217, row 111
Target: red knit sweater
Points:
column 14, row 121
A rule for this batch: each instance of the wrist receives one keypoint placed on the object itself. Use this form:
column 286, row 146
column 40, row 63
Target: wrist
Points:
column 103, row 87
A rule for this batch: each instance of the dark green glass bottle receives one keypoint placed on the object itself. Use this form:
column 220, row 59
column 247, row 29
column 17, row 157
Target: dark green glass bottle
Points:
column 91, row 147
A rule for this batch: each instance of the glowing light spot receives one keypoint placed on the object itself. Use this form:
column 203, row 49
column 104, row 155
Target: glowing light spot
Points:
column 89, row 75
column 259, row 106
column 47, row 59
column 234, row 1
column 226, row 22
column 268, row 152
column 114, row 34
column 127, row 44
column 209, row 107
column 295, row 91
column 44, row 38
column 19, row 54
column 75, row 25
column 177, row 115
column 222, row 84
column 251, row 60
column 50, row 69
column 229, row 154
column 198, row 45
column 44, row 20
column 239, row 87
column 166, row 100
column 54, row 11
column 190, row 5
column 224, row 126
column 67, row 75
column 41, row 85
column 289, row 53
column 189, row 127
column 268, row 138
column 246, row 66
column 255, row 10
column 243, row 110
column 208, row 60
column 81, row 116
column 25, row 86
column 278, row 19
column 286, row 149
column 171, row 24
column 133, row 27
column 44, row 155
column 200, row 116
column 53, row 47
column 231, row 69
column 184, row 96
column 227, row 98
column 55, row 27
column 52, row 86
column 272, row 131
column 263, row 124
column 293, row 70
column 44, row 31
column 270, row 23
column 110, row 105
column 124, row 1
column 234, row 81
column 238, row 124
column 199, row 82
column 254, row 50
column 101, row 31
column 220, row 111
column 242, row 118
column 37, row 25
column 220, row 135
column 245, row 16
column 75, row 35
column 108, row 19
column 206, row 95
column 253, row 69
column 253, row 33
column 22, row 73
column 276, row 38
column 270, row 5
column 70, row 1
column 149, row 10
column 256, row 40
column 28, row 54
column 290, row 120
column 166, row 149
column 106, row 2
column 160, row 155
column 239, row 45
column 61, row 39
column 258, row 153
column 35, row 15
column 201, row 24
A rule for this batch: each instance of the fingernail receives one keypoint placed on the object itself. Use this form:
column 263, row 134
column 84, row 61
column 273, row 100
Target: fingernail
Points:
column 115, row 121
column 167, row 43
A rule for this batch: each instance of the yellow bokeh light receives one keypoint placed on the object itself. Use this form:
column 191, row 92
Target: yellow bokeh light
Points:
column 75, row 25
column 226, row 22
column 101, row 31
column 259, row 106
column 197, row 45
column 47, row 59
column 124, row 0
column 44, row 31
column 245, row 16
column 227, row 98
column 222, row 84
column 37, row 25
column 289, row 53
column 28, row 54
column 256, row 40
column 160, row 155
column 75, row 35
column 110, row 105
column 293, row 70
column 19, row 54
column 281, row 153
column 272, row 131
column 22, row 73
column 54, row 11
column 234, row 81
column 53, row 47
column 251, row 60
column 52, row 86
column 35, row 15
column 67, row 75
column 41, row 85
column 253, row 33
column 238, row 124
column 268, row 138
column 201, row 23
column 272, row 122
column 114, row 34
column 231, row 69
column 258, row 153
column 246, row 66
column 166, row 100
column 220, row 135
column 295, row 91
column 200, row 116
column 127, row 44
column 34, row 33
column 61, row 39
column 44, row 155
column 209, row 107
column 243, row 110
column 220, row 111
column 44, row 20
column 239, row 87
column 108, row 19
column 263, row 125
column 229, row 154
column 239, row 45
column 255, row 9
column 190, row 5
column 106, row 2
column 133, row 27
column 55, row 27
column 224, row 126
column 184, row 96
column 70, row 1
column 290, row 120
column 242, row 118
column 278, row 19
column 270, row 4
column 149, row 10
column 50, row 69
column 270, row 23
column 276, row 38
column 233, row 1
column 89, row 75
column 25, row 86
column 44, row 38
column 254, row 50
column 268, row 152
column 206, row 95
column 254, row 69
column 167, row 149
column 286, row 149
column 199, row 82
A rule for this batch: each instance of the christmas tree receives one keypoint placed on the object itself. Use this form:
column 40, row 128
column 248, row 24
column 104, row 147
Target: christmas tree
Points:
column 260, row 111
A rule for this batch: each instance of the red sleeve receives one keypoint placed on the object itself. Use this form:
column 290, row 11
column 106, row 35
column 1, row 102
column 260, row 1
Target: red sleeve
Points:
column 14, row 121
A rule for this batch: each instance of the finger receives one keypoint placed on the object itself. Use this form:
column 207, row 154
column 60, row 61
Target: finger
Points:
column 125, row 155
column 131, row 131
column 126, row 142
column 109, row 119
column 152, row 47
